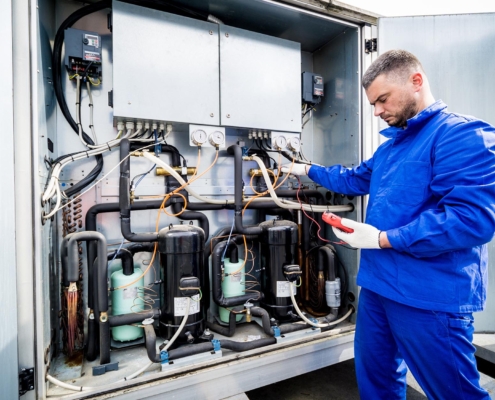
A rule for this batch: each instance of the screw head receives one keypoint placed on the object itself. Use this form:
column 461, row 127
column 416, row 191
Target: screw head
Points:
column 212, row 115
column 228, row 115
column 211, row 32
column 226, row 35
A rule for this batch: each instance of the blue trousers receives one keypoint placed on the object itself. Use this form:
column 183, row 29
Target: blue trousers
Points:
column 436, row 346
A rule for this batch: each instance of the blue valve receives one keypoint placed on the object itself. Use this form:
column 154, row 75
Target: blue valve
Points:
column 216, row 344
column 164, row 357
column 276, row 331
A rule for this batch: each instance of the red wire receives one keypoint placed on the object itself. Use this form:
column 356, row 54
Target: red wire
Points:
column 312, row 219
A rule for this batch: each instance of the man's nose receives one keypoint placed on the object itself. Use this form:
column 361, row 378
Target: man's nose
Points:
column 378, row 110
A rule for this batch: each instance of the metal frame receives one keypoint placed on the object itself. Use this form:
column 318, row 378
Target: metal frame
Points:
column 8, row 290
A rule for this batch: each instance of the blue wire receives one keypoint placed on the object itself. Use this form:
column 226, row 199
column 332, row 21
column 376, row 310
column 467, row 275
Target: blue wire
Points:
column 228, row 240
column 144, row 176
column 117, row 252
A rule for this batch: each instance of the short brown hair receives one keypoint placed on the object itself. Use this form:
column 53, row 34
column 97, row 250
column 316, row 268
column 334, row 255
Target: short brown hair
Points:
column 397, row 62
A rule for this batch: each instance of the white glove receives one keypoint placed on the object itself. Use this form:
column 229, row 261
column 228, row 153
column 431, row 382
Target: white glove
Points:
column 364, row 236
column 295, row 169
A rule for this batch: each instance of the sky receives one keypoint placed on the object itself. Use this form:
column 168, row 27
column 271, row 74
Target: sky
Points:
column 392, row 8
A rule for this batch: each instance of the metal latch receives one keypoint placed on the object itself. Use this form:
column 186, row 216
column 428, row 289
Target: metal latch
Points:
column 26, row 380
column 370, row 45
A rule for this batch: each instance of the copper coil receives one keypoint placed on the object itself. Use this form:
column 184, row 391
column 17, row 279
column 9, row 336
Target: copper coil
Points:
column 77, row 201
column 72, row 230
column 79, row 223
column 80, row 250
column 71, row 225
column 78, row 216
column 77, row 206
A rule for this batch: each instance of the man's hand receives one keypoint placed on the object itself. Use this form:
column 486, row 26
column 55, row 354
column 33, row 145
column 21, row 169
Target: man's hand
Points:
column 364, row 236
column 295, row 169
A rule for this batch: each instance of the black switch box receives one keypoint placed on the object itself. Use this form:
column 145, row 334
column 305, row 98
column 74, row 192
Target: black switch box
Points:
column 312, row 88
column 82, row 51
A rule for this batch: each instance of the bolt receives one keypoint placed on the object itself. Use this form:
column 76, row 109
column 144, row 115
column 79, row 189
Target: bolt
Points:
column 31, row 387
column 211, row 115
column 211, row 32
column 128, row 102
column 226, row 35
column 228, row 115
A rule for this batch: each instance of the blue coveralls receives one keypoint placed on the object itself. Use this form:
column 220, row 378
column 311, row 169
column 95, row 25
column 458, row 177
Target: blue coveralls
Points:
column 432, row 189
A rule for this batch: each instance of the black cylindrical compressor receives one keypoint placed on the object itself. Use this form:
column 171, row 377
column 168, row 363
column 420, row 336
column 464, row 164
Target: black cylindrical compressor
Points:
column 181, row 250
column 278, row 248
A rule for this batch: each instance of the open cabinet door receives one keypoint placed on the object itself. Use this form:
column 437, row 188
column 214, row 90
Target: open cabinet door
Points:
column 458, row 54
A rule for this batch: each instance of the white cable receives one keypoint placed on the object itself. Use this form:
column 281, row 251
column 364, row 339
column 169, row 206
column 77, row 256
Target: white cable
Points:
column 298, row 311
column 292, row 204
column 58, row 208
column 91, row 106
column 134, row 374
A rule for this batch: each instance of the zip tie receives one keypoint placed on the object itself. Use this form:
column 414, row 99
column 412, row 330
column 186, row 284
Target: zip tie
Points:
column 108, row 147
column 87, row 155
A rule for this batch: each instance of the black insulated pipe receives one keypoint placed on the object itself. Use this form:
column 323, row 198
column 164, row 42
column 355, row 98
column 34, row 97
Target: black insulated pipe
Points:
column 102, row 288
column 127, row 260
column 224, row 330
column 128, row 319
column 125, row 199
column 245, row 346
column 193, row 216
column 216, row 275
column 236, row 151
column 150, row 341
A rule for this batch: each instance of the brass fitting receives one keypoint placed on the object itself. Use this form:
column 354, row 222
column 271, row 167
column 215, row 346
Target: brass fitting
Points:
column 140, row 153
column 256, row 172
column 163, row 172
column 103, row 316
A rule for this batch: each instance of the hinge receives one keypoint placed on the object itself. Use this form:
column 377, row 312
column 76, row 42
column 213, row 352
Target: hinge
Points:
column 26, row 380
column 370, row 45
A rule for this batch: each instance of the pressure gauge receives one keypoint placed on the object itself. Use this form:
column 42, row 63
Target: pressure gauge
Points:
column 199, row 137
column 280, row 142
column 217, row 138
column 294, row 144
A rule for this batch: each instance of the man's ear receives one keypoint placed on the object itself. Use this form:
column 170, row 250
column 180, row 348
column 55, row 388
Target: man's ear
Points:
column 417, row 81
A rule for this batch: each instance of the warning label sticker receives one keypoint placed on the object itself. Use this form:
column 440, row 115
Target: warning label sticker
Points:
column 180, row 304
column 235, row 277
column 91, row 56
column 129, row 293
column 283, row 288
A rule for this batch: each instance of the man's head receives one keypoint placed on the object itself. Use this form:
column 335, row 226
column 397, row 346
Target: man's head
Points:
column 396, row 85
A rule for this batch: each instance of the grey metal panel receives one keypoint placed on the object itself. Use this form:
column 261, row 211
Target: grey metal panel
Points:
column 165, row 66
column 457, row 54
column 337, row 123
column 259, row 81
column 8, row 293
column 235, row 373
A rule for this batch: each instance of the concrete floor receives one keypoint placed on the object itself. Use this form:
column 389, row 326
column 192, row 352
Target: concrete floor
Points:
column 336, row 382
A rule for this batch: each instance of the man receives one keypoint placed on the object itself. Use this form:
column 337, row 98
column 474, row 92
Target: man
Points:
column 431, row 210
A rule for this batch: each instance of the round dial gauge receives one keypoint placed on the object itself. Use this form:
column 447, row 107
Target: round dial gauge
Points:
column 199, row 137
column 217, row 138
column 280, row 142
column 294, row 144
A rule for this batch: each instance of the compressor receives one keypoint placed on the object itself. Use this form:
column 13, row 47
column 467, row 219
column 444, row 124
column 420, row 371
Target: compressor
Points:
column 181, row 250
column 278, row 250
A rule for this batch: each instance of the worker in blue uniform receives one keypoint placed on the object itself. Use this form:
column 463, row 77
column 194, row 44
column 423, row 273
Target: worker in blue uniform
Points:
column 431, row 211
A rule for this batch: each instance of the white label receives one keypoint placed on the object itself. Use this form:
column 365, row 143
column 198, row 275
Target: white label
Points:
column 91, row 56
column 235, row 277
column 283, row 288
column 129, row 293
column 180, row 304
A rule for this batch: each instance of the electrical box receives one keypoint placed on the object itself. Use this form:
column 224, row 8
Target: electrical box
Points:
column 312, row 88
column 83, row 52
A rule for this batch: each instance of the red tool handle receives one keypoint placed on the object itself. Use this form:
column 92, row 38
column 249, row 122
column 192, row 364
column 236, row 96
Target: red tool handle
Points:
column 335, row 221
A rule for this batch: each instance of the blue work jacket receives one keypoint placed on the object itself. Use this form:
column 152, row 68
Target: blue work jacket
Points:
column 431, row 187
